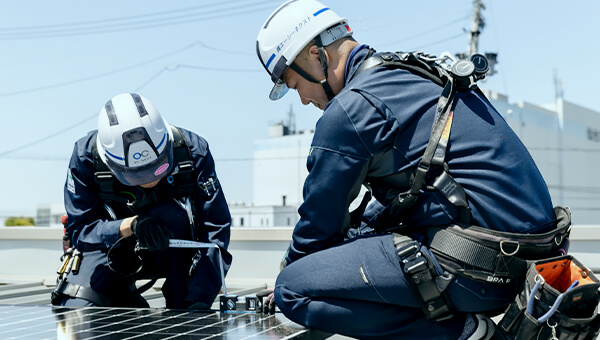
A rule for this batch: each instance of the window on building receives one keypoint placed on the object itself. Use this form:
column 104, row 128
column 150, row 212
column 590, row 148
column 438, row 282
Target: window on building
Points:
column 289, row 221
column 241, row 221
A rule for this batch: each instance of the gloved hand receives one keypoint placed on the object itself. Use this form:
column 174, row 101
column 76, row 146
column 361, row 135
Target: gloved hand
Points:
column 151, row 233
column 268, row 302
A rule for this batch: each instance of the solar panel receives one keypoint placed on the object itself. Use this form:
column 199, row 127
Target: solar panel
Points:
column 47, row 322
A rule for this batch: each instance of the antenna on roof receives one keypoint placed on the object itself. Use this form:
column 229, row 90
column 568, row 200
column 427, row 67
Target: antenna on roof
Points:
column 291, row 121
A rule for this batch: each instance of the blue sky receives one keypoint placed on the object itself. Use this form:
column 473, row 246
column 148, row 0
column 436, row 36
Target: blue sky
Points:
column 195, row 60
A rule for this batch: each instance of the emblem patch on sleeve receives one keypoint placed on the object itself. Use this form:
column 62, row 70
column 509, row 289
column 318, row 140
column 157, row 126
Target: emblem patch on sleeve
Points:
column 70, row 182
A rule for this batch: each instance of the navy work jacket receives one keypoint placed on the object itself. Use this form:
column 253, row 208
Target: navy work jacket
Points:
column 90, row 226
column 376, row 130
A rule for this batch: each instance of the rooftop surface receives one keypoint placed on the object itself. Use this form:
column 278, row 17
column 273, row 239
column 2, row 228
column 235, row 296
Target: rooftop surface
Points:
column 30, row 257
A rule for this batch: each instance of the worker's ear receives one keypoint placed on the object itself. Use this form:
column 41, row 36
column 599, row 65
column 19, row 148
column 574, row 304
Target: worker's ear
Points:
column 313, row 54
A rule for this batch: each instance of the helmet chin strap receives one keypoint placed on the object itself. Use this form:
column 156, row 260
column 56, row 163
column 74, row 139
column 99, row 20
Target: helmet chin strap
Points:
column 323, row 60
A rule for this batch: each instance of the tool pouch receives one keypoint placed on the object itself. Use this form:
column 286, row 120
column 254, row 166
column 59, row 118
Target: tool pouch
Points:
column 551, row 305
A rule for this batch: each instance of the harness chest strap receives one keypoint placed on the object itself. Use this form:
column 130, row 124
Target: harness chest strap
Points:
column 435, row 151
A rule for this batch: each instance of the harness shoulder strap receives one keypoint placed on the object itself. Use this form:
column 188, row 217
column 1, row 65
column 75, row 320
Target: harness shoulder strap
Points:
column 435, row 152
column 412, row 62
column 183, row 181
column 106, row 181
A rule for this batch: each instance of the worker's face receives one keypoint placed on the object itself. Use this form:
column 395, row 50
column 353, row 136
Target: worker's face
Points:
column 309, row 92
column 151, row 184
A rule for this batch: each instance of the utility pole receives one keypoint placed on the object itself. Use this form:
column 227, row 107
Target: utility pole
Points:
column 477, row 26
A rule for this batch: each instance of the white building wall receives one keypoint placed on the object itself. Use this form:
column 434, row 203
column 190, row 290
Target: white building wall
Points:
column 263, row 216
column 567, row 155
column 569, row 161
column 48, row 215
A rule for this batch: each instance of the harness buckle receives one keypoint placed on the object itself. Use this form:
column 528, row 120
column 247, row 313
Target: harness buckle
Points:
column 416, row 265
column 422, row 276
column 407, row 250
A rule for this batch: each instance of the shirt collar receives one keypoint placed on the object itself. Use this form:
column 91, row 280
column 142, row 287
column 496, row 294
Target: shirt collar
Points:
column 351, row 63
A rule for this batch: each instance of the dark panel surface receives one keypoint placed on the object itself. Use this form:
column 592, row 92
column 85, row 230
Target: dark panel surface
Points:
column 47, row 322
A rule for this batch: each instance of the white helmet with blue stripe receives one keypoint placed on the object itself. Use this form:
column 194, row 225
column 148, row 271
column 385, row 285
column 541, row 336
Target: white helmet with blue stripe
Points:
column 134, row 140
column 289, row 29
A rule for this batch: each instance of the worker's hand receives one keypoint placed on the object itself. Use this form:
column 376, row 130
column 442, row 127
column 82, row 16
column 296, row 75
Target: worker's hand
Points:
column 268, row 301
column 151, row 233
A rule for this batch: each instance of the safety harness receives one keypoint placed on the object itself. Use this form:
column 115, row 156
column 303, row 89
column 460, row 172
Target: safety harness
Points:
column 478, row 253
column 179, row 186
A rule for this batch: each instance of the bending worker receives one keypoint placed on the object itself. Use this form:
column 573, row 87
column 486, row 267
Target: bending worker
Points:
column 395, row 270
column 132, row 185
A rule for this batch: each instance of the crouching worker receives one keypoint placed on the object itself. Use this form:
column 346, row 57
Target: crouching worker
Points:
column 460, row 204
column 134, row 184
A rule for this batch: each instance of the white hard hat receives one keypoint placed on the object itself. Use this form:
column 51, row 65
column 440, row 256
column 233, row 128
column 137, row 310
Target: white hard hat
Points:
column 288, row 30
column 134, row 140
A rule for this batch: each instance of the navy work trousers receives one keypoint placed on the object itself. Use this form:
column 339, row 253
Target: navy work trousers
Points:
column 358, row 289
column 179, row 289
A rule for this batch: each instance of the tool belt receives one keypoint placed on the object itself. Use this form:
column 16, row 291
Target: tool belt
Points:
column 480, row 254
column 496, row 257
column 559, row 300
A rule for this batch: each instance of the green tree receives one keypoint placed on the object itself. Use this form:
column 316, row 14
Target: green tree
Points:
column 19, row 221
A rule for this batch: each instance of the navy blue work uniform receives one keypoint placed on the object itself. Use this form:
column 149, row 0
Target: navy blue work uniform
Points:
column 93, row 232
column 374, row 130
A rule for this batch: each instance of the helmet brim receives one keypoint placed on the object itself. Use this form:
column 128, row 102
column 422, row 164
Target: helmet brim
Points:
column 279, row 90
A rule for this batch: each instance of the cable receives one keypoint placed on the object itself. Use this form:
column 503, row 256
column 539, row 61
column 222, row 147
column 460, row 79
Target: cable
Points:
column 107, row 28
column 439, row 41
column 104, row 74
column 80, row 23
column 173, row 68
column 427, row 32
column 35, row 89
column 2, row 154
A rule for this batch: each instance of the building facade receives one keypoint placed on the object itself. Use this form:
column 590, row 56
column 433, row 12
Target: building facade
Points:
column 563, row 139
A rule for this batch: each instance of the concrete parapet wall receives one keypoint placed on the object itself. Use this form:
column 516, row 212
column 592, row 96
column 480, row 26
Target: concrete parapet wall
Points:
column 33, row 253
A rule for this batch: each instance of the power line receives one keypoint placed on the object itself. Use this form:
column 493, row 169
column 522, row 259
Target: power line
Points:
column 439, row 41
column 167, row 68
column 427, row 32
column 104, row 74
column 107, row 27
column 173, row 68
column 83, row 23
column 127, row 68
column 2, row 154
